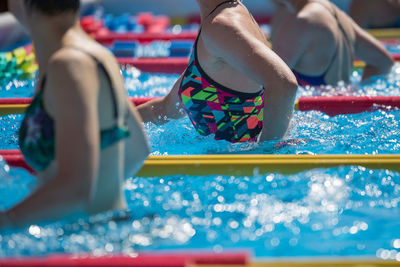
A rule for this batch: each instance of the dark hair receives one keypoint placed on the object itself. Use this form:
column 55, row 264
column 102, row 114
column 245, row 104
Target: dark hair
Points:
column 54, row 7
column 3, row 6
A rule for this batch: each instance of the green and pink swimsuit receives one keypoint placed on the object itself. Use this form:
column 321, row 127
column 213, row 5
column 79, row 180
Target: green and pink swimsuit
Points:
column 214, row 109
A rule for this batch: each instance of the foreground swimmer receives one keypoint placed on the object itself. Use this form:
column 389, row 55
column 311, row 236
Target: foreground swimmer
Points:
column 320, row 42
column 77, row 130
column 376, row 13
column 235, row 86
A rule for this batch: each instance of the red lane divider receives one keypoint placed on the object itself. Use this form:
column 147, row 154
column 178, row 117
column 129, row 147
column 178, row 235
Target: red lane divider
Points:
column 143, row 260
column 7, row 152
column 15, row 101
column 108, row 37
column 390, row 41
column 336, row 105
column 331, row 105
column 172, row 65
column 154, row 65
column 396, row 56
column 139, row 101
column 23, row 101
column 17, row 160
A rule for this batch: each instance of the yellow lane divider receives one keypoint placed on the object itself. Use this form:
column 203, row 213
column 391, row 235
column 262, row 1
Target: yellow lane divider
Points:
column 393, row 33
column 12, row 109
column 250, row 165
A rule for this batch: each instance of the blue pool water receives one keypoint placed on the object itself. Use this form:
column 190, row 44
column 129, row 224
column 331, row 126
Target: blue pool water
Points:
column 348, row 211
column 393, row 48
column 310, row 133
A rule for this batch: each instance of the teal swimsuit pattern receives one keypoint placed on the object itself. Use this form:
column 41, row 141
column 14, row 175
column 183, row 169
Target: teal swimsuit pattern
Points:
column 37, row 132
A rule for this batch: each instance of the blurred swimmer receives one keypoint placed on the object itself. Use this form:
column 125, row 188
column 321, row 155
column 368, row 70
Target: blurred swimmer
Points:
column 376, row 13
column 319, row 42
column 80, row 134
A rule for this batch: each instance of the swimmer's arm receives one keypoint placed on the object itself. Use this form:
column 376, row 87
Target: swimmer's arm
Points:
column 160, row 110
column 141, row 144
column 77, row 143
column 373, row 53
column 252, row 57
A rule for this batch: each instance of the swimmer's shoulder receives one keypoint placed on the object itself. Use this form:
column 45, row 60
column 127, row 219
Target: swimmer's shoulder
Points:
column 230, row 23
column 70, row 60
column 318, row 20
column 68, row 80
column 72, row 69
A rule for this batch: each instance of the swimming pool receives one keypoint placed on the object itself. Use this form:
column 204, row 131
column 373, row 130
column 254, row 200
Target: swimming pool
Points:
column 347, row 211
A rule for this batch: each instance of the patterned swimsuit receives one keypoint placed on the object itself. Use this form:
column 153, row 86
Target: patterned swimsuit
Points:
column 214, row 109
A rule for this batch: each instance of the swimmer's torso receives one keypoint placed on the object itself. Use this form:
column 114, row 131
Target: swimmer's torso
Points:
column 217, row 98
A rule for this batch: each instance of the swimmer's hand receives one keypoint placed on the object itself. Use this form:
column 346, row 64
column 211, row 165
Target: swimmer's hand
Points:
column 291, row 142
column 154, row 112
column 161, row 110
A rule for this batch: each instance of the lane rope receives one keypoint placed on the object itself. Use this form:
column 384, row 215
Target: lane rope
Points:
column 332, row 105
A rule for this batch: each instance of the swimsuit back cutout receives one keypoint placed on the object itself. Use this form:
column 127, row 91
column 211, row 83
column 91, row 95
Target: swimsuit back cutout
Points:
column 305, row 80
column 214, row 109
column 37, row 131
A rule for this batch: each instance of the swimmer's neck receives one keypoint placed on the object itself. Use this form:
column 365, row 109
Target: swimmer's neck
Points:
column 49, row 38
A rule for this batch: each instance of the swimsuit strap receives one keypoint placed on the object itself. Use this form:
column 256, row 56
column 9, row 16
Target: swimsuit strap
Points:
column 220, row 4
column 212, row 11
column 108, row 77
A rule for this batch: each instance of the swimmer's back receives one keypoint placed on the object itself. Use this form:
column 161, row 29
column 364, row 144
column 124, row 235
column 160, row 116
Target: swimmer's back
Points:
column 331, row 39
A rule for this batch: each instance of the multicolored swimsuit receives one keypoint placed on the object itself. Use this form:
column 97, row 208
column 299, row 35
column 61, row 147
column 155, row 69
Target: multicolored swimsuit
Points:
column 37, row 131
column 214, row 109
